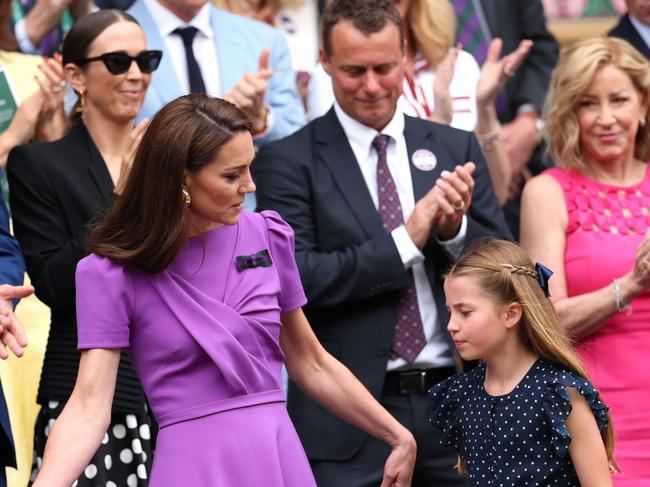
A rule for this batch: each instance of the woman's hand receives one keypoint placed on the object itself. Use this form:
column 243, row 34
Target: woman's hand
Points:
column 495, row 72
column 398, row 469
column 127, row 159
column 442, row 103
column 51, row 120
column 641, row 270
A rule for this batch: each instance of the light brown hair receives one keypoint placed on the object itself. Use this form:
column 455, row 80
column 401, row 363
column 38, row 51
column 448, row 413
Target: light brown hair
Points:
column 503, row 271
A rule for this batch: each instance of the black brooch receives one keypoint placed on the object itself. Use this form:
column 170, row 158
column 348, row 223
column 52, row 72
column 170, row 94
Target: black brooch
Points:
column 259, row 259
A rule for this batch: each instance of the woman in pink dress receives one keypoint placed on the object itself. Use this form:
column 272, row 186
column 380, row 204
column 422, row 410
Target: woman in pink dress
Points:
column 588, row 220
column 207, row 300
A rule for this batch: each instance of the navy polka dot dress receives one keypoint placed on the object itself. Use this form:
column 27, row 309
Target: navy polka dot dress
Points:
column 518, row 439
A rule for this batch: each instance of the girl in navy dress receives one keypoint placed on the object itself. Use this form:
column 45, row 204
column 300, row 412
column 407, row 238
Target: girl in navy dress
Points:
column 526, row 415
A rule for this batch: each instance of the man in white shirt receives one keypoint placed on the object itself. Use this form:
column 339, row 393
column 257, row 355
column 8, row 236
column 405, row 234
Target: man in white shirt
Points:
column 209, row 50
column 634, row 26
column 380, row 204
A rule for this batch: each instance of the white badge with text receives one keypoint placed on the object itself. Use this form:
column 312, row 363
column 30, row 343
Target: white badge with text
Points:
column 424, row 160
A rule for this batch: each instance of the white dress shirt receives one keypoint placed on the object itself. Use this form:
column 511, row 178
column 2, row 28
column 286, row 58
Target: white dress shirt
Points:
column 436, row 353
column 203, row 45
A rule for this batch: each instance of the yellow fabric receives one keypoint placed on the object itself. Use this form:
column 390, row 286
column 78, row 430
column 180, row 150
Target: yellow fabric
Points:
column 20, row 378
column 21, row 69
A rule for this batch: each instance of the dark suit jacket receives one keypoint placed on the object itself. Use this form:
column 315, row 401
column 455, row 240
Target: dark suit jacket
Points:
column 349, row 266
column 12, row 269
column 57, row 188
column 626, row 31
column 512, row 21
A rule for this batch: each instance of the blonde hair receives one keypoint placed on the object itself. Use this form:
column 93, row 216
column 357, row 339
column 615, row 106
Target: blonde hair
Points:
column 433, row 24
column 577, row 67
column 505, row 273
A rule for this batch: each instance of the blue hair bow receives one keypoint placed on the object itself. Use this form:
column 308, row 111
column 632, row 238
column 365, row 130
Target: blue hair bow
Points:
column 543, row 275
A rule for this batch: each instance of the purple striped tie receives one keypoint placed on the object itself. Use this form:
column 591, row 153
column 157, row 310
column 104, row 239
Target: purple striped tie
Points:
column 408, row 337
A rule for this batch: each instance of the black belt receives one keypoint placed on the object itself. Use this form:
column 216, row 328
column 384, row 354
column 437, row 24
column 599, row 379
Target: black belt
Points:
column 415, row 381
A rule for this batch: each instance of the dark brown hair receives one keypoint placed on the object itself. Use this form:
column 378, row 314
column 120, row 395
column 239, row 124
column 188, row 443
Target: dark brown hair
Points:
column 367, row 16
column 147, row 225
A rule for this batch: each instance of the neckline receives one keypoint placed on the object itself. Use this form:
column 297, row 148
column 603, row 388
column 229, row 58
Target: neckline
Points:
column 587, row 179
column 507, row 395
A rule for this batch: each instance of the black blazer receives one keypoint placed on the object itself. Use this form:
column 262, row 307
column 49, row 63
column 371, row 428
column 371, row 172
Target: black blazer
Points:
column 512, row 21
column 349, row 266
column 55, row 190
column 626, row 31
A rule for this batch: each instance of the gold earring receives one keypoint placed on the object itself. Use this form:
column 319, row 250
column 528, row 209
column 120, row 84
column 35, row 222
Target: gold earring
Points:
column 187, row 199
column 81, row 104
column 642, row 121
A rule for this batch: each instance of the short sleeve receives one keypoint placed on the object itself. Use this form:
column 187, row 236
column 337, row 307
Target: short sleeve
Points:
column 283, row 254
column 445, row 396
column 557, row 407
column 104, row 303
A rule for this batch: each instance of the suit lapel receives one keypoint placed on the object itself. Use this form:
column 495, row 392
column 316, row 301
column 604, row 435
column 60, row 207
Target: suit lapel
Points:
column 417, row 138
column 335, row 151
column 95, row 163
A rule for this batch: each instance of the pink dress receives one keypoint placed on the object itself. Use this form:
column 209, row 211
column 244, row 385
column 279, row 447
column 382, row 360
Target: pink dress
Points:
column 606, row 225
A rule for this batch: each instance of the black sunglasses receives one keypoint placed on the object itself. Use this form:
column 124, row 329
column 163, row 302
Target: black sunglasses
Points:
column 120, row 62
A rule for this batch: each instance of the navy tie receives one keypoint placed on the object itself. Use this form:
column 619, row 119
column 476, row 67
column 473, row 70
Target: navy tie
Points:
column 193, row 70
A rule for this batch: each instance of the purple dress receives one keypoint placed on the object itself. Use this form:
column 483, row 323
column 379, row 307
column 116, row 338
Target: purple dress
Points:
column 204, row 340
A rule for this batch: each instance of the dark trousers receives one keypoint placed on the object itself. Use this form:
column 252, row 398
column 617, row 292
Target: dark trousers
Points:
column 434, row 466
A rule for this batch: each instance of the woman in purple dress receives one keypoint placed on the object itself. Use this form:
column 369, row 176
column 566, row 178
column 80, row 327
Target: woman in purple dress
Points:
column 207, row 300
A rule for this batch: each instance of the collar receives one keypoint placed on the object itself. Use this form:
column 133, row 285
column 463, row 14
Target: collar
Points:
column 361, row 136
column 167, row 22
column 642, row 29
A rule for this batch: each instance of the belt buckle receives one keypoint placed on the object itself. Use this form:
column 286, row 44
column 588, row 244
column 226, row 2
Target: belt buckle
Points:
column 412, row 381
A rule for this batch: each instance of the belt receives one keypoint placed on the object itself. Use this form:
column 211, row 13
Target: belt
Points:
column 415, row 381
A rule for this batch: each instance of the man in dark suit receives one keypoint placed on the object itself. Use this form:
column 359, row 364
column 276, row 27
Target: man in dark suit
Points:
column 521, row 102
column 634, row 26
column 346, row 183
column 12, row 269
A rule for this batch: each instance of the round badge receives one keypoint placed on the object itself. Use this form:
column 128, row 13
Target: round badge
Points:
column 424, row 160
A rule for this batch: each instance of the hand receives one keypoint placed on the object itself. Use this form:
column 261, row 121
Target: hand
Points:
column 43, row 17
column 519, row 139
column 51, row 121
column 22, row 126
column 495, row 72
column 129, row 155
column 442, row 103
column 248, row 93
column 11, row 333
column 420, row 222
column 398, row 469
column 641, row 270
column 454, row 198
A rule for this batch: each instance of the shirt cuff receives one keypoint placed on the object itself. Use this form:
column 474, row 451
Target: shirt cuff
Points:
column 408, row 251
column 24, row 43
column 454, row 246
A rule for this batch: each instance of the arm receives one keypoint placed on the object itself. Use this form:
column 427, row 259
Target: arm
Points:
column 586, row 449
column 78, row 431
column 332, row 385
column 43, row 17
column 543, row 236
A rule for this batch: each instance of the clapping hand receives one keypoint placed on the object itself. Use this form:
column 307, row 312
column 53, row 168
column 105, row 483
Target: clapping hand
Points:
column 11, row 333
column 442, row 102
column 248, row 94
column 129, row 155
column 51, row 121
column 454, row 197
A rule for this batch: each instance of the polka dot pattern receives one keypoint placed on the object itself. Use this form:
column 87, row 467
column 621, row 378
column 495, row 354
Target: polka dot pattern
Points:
column 520, row 438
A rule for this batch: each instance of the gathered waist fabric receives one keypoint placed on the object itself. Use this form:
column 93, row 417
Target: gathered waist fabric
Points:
column 195, row 412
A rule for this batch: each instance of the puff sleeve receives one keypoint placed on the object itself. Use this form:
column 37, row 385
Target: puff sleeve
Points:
column 104, row 303
column 446, row 397
column 283, row 254
column 557, row 407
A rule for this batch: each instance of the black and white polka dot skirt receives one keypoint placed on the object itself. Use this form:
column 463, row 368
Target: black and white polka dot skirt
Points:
column 123, row 458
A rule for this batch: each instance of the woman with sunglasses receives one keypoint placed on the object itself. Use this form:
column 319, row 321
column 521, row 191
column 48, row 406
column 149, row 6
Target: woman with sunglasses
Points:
column 56, row 190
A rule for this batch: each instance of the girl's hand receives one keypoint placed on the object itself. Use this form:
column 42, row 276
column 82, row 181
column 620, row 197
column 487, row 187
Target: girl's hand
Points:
column 495, row 72
column 398, row 470
column 442, row 103
column 127, row 159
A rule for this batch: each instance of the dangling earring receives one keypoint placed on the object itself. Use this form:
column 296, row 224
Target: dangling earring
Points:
column 81, row 104
column 187, row 199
